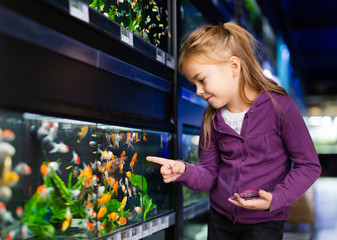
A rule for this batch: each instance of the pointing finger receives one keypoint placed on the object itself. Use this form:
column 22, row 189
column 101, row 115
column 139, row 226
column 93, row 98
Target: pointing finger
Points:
column 159, row 160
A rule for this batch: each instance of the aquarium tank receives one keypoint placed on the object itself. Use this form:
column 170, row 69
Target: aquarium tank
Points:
column 70, row 179
column 148, row 19
column 190, row 155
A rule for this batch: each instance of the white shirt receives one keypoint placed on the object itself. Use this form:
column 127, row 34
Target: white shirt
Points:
column 234, row 120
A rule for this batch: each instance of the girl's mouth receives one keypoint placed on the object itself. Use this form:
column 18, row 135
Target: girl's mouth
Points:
column 207, row 99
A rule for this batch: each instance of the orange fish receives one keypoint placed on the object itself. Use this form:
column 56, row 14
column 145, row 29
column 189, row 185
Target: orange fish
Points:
column 19, row 212
column 7, row 135
column 104, row 199
column 76, row 159
column 83, row 133
column 115, row 188
column 101, row 212
column 88, row 182
column 121, row 166
column 123, row 155
column 128, row 174
column 44, row 169
column 123, row 204
column 137, row 209
column 90, row 226
column 122, row 221
column 134, row 159
column 65, row 225
column 43, row 191
column 113, row 216
column 87, row 172
column 144, row 138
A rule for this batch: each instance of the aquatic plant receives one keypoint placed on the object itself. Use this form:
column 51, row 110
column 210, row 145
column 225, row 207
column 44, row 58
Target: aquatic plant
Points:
column 145, row 201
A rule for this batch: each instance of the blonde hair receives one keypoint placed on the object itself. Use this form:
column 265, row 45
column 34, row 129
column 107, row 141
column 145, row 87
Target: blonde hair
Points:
column 216, row 44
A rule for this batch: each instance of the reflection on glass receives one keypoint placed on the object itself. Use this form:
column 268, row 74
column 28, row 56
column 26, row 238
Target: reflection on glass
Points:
column 146, row 18
column 62, row 178
column 190, row 155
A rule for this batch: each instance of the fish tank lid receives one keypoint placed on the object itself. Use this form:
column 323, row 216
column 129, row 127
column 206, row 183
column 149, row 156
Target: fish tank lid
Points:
column 80, row 10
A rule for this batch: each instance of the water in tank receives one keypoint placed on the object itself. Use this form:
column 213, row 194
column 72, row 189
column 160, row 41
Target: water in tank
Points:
column 70, row 179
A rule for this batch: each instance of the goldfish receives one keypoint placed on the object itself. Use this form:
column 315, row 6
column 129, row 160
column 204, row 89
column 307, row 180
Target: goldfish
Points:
column 2, row 207
column 108, row 166
column 100, row 226
column 7, row 135
column 23, row 169
column 88, row 205
column 68, row 215
column 59, row 147
column 44, row 129
column 95, row 180
column 134, row 159
column 89, row 226
column 123, row 204
column 129, row 191
column 91, row 213
column 101, row 213
column 123, row 155
column 25, row 232
column 105, row 155
column 121, row 164
column 19, row 212
column 65, row 225
column 88, row 182
column 11, row 235
column 113, row 216
column 104, row 199
column 137, row 209
column 115, row 188
column 83, row 133
column 93, row 144
column 52, row 132
column 128, row 174
column 100, row 191
column 44, row 170
column 5, row 193
column 6, row 149
column 122, row 221
column 43, row 191
column 11, row 179
column 87, row 172
column 76, row 159
column 55, row 166
column 144, row 137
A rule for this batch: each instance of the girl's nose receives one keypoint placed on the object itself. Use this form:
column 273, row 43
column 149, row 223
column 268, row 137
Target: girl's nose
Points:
column 199, row 91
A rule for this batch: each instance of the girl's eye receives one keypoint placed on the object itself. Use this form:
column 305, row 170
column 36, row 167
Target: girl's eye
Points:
column 201, row 80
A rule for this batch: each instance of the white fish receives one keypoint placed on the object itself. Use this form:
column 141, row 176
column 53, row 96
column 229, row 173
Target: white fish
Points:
column 44, row 129
column 74, row 193
column 59, row 147
column 23, row 169
column 5, row 193
column 52, row 132
column 6, row 149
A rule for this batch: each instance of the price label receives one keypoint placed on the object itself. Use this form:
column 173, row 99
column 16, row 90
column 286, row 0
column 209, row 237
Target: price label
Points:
column 79, row 10
column 126, row 36
column 169, row 61
column 160, row 56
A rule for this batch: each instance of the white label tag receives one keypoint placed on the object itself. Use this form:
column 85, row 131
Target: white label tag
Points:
column 169, row 61
column 160, row 56
column 79, row 10
column 126, row 36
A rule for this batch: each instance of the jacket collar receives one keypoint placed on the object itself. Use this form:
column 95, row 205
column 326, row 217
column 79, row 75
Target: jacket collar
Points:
column 219, row 123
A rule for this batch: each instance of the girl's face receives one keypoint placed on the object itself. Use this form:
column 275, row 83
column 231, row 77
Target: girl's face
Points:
column 215, row 83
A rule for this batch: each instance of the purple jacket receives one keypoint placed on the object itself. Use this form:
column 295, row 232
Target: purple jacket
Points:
column 272, row 137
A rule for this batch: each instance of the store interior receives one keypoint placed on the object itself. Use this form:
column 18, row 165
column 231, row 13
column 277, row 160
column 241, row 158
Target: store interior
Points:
column 91, row 87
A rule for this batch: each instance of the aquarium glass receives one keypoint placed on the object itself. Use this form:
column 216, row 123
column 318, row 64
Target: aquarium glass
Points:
column 69, row 179
column 148, row 19
column 190, row 155
column 191, row 17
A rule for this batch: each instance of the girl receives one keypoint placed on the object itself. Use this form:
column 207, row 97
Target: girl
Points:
column 253, row 138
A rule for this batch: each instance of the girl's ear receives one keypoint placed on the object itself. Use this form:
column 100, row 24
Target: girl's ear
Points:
column 235, row 65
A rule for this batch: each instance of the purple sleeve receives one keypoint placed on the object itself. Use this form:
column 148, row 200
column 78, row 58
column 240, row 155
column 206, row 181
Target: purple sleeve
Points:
column 302, row 153
column 203, row 176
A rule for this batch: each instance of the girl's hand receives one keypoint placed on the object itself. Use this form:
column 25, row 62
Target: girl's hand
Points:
column 262, row 203
column 170, row 169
